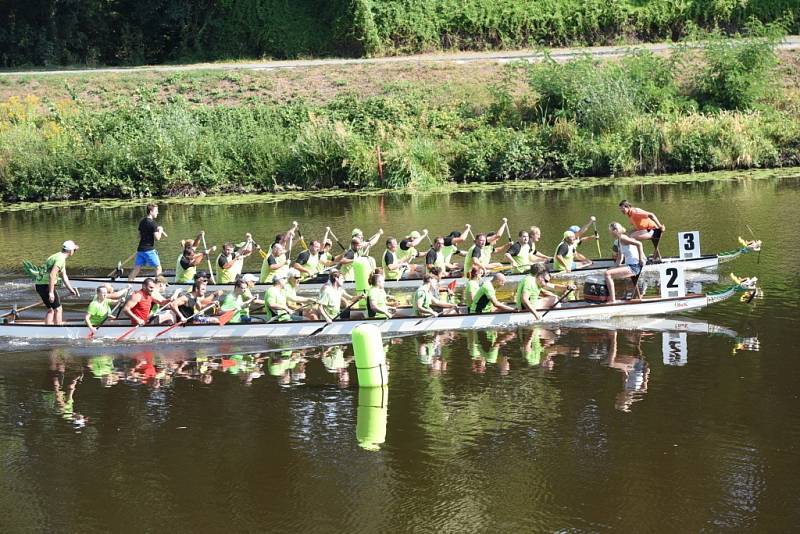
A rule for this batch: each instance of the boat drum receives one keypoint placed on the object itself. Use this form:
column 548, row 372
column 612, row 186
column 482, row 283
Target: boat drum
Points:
column 595, row 289
column 370, row 356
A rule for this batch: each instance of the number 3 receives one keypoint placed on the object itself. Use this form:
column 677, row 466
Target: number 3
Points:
column 689, row 241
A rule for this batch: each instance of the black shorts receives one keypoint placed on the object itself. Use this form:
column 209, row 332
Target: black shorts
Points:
column 656, row 234
column 44, row 292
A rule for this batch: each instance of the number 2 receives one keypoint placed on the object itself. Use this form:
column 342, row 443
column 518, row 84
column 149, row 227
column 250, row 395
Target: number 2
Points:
column 672, row 272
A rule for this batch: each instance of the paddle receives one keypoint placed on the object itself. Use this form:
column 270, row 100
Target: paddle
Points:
column 130, row 330
column 118, row 271
column 328, row 228
column 208, row 259
column 16, row 311
column 321, row 328
column 559, row 301
column 301, row 240
column 758, row 258
column 225, row 317
column 181, row 323
column 597, row 237
column 508, row 230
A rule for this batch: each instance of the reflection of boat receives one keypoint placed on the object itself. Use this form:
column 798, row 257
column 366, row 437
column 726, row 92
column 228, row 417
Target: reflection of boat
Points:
column 597, row 268
column 400, row 324
column 655, row 324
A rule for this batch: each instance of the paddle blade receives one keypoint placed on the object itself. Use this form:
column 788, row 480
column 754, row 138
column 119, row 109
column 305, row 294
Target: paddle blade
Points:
column 451, row 286
column 318, row 330
column 127, row 332
column 227, row 316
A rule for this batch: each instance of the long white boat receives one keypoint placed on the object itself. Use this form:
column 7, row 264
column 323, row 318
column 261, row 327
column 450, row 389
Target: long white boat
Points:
column 596, row 268
column 403, row 323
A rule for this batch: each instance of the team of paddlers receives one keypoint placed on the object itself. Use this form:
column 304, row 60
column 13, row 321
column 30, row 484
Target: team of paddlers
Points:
column 281, row 302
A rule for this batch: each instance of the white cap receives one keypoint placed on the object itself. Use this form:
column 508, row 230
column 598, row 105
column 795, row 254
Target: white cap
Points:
column 69, row 245
column 249, row 277
column 293, row 273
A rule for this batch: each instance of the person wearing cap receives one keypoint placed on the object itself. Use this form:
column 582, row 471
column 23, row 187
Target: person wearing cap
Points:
column 187, row 262
column 480, row 253
column 149, row 233
column 249, row 296
column 309, row 263
column 274, row 264
column 231, row 260
column 646, row 225
column 53, row 273
column 485, row 300
column 366, row 244
column 579, row 231
column 295, row 301
column 567, row 258
column 407, row 249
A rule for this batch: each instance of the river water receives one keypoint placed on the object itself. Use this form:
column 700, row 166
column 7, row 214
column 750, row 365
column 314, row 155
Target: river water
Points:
column 685, row 424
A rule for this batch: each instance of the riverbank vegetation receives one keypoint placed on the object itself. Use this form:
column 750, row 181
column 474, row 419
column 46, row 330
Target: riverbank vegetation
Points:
column 127, row 32
column 733, row 104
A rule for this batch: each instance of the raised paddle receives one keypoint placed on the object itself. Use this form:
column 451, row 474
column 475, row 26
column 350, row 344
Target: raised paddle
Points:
column 328, row 228
column 321, row 328
column 597, row 237
column 508, row 230
column 559, row 301
column 208, row 259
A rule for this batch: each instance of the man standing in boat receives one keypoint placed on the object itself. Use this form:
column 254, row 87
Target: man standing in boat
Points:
column 646, row 225
column 149, row 233
column 55, row 267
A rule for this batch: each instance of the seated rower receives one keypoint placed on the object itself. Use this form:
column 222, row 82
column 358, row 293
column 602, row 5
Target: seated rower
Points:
column 532, row 292
column 138, row 306
column 310, row 262
column 186, row 265
column 99, row 309
column 347, row 258
column 296, row 302
column 631, row 253
column 277, row 307
column 567, row 258
column 485, row 300
column 332, row 296
column 235, row 300
column 274, row 264
column 231, row 260
column 473, row 284
column 519, row 254
column 191, row 303
column 480, row 253
column 163, row 314
column 436, row 258
column 376, row 298
column 581, row 230
column 249, row 296
column 535, row 234
column 426, row 299
column 395, row 267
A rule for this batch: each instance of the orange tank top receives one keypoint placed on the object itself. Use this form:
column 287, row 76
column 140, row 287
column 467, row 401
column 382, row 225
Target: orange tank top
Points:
column 640, row 219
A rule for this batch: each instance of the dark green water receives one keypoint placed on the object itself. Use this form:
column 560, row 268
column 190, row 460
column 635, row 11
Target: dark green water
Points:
column 605, row 429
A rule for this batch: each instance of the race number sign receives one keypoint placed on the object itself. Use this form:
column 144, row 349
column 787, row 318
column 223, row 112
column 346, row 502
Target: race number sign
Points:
column 673, row 281
column 674, row 348
column 689, row 245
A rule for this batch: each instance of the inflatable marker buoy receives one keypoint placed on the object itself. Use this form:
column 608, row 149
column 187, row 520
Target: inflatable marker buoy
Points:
column 362, row 268
column 373, row 409
column 370, row 357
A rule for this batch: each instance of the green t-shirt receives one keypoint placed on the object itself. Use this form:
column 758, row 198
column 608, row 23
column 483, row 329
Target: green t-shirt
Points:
column 232, row 302
column 482, row 301
column 56, row 260
column 377, row 297
column 98, row 311
column 276, row 296
column 330, row 299
column 470, row 289
column 529, row 287
column 425, row 295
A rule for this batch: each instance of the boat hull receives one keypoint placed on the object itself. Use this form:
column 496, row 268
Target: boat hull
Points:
column 394, row 326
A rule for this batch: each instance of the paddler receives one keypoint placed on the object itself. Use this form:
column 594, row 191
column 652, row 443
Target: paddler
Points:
column 55, row 271
column 451, row 242
column 296, row 302
column 485, row 300
column 630, row 260
column 169, row 314
column 533, row 293
column 274, row 264
column 376, row 297
column 646, row 225
column 310, row 262
column 567, row 258
column 436, row 258
column 394, row 267
column 366, row 244
column 535, row 234
column 149, row 233
column 473, row 284
column 196, row 300
column 581, row 230
column 99, row 309
column 332, row 296
column 249, row 296
column 426, row 302
column 138, row 306
column 346, row 259
column 186, row 265
column 519, row 254
column 407, row 249
column 231, row 260
column 236, row 300
column 480, row 253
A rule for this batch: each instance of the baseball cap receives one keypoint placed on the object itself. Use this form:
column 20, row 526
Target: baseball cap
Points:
column 569, row 233
column 356, row 231
column 161, row 279
column 281, row 276
column 69, row 245
column 414, row 235
column 293, row 273
column 249, row 277
column 454, row 233
column 574, row 228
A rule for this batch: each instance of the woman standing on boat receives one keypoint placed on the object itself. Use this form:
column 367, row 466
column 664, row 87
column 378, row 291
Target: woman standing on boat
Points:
column 631, row 254
column 646, row 225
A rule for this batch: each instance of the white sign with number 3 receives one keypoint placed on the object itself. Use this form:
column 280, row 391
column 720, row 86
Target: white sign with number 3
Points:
column 689, row 245
column 673, row 281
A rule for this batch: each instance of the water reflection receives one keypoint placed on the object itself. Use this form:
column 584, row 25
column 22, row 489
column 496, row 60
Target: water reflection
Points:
column 630, row 361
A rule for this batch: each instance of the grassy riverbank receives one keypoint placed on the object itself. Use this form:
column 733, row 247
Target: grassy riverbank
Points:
column 733, row 105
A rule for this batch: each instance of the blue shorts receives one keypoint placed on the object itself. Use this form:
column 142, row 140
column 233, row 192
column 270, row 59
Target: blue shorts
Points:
column 635, row 268
column 147, row 258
